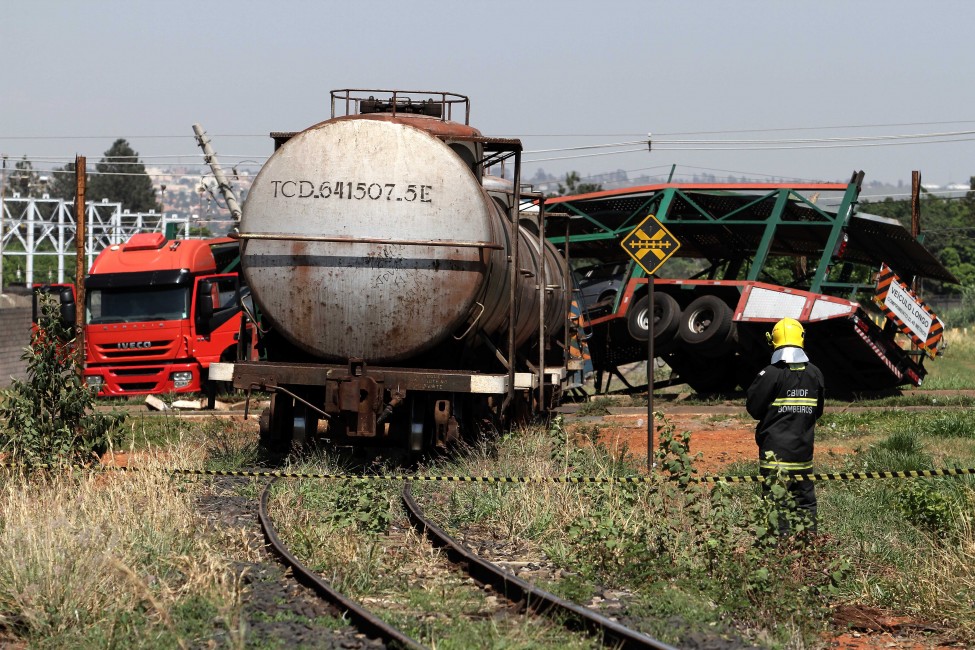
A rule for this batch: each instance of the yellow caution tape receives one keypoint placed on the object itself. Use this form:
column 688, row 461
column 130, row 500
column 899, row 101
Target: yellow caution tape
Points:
column 835, row 476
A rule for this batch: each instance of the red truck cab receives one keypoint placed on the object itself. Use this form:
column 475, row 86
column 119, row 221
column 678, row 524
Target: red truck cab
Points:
column 158, row 312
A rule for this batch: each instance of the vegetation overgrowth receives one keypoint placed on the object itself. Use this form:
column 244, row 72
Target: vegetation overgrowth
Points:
column 50, row 417
column 701, row 555
column 128, row 556
column 115, row 560
column 706, row 556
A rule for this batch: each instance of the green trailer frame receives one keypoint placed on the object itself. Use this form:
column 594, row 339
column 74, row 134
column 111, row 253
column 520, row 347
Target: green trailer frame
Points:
column 797, row 237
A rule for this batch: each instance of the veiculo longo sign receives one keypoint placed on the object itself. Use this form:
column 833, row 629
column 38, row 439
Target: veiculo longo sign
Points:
column 908, row 311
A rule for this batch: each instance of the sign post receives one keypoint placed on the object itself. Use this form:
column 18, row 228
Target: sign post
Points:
column 650, row 245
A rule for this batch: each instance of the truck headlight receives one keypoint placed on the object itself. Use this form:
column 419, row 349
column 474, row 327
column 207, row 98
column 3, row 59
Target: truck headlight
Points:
column 95, row 381
column 181, row 379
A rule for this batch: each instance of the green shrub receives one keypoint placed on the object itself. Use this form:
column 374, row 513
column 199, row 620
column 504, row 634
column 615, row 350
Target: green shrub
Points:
column 51, row 417
column 951, row 424
column 926, row 506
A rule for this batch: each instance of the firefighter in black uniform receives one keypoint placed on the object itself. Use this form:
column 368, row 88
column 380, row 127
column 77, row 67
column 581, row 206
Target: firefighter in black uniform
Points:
column 787, row 398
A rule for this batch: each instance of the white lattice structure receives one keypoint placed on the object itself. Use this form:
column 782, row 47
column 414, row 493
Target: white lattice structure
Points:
column 44, row 226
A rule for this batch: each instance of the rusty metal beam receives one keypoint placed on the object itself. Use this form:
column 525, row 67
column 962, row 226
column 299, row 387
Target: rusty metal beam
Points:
column 261, row 375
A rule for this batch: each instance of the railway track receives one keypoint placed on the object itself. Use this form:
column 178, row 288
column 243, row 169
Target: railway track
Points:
column 543, row 602
column 277, row 610
column 367, row 622
column 514, row 596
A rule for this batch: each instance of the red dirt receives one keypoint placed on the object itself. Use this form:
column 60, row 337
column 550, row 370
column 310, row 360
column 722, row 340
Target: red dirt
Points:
column 720, row 441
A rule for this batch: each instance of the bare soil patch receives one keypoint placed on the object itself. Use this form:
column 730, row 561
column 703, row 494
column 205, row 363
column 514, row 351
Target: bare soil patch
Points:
column 720, row 436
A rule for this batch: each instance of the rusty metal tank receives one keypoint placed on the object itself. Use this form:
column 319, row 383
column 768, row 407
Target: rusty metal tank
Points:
column 372, row 237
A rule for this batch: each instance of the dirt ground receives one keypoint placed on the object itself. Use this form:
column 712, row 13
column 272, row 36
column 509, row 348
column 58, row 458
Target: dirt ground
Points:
column 722, row 435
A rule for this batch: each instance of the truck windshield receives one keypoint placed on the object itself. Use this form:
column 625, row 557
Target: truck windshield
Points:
column 129, row 305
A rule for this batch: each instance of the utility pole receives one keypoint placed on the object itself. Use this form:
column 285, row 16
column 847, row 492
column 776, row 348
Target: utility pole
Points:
column 915, row 203
column 80, row 177
column 210, row 157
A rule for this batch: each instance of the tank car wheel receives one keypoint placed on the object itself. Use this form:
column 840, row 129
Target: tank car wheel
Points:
column 277, row 424
column 706, row 325
column 418, row 440
column 305, row 427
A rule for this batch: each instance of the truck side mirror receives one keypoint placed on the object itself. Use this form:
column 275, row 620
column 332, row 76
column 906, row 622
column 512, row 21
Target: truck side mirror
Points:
column 66, row 297
column 204, row 302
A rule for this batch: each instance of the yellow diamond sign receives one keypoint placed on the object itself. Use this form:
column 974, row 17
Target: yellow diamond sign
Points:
column 650, row 244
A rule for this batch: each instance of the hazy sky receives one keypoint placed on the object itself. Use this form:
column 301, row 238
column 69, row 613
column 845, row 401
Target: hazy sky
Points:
column 77, row 75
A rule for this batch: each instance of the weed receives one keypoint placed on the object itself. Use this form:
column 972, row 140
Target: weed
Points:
column 598, row 406
column 227, row 445
column 901, row 451
column 722, row 543
column 949, row 424
column 929, row 505
column 51, row 419
column 110, row 561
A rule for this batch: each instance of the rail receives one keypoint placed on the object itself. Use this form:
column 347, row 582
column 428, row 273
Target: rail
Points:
column 516, row 589
column 362, row 618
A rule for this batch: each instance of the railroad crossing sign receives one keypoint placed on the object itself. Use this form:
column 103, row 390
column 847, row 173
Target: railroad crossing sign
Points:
column 650, row 244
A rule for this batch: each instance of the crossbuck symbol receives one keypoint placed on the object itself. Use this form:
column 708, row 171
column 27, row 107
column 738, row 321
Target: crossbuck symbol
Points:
column 646, row 244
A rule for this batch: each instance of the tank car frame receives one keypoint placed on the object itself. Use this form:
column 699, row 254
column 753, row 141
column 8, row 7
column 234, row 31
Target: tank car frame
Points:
column 508, row 355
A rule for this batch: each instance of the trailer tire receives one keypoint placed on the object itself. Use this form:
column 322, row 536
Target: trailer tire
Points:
column 636, row 319
column 666, row 319
column 707, row 324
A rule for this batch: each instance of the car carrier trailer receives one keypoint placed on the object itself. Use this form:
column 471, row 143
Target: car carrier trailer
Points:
column 754, row 253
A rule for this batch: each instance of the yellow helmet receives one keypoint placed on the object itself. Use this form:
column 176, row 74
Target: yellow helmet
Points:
column 787, row 332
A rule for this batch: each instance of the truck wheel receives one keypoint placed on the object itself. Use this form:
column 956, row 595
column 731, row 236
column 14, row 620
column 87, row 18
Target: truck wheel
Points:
column 666, row 318
column 666, row 321
column 706, row 324
column 637, row 319
column 210, row 391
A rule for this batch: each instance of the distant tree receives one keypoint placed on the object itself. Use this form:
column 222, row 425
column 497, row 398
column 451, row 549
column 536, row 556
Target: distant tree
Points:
column 947, row 230
column 573, row 185
column 63, row 184
column 121, row 176
column 22, row 180
column 541, row 176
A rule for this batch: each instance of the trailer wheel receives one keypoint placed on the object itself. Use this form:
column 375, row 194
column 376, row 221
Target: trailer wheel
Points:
column 706, row 324
column 666, row 319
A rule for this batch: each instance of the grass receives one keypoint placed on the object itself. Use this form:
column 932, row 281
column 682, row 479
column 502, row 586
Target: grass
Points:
column 139, row 565
column 906, row 546
column 340, row 529
column 955, row 368
column 113, row 559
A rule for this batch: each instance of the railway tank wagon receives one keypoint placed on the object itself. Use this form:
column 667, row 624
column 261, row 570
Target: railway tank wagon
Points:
column 398, row 294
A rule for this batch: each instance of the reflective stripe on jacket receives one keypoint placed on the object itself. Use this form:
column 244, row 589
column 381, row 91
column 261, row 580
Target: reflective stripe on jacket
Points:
column 786, row 399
